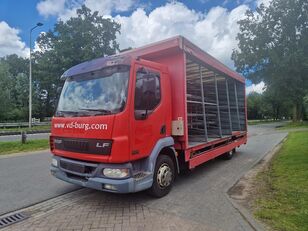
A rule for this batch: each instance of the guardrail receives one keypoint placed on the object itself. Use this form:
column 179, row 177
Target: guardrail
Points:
column 22, row 124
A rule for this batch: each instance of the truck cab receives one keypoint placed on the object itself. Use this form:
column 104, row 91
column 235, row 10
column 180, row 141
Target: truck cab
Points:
column 112, row 121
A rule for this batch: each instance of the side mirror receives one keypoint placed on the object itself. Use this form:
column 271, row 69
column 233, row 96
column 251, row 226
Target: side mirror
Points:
column 58, row 92
column 59, row 89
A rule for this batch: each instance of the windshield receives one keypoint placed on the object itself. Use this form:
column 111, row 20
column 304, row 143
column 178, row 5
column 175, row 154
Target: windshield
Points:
column 102, row 92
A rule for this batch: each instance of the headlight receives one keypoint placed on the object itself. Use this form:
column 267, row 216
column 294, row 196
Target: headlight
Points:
column 54, row 162
column 116, row 172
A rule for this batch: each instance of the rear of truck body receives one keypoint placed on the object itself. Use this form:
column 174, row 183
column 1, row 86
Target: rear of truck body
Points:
column 176, row 101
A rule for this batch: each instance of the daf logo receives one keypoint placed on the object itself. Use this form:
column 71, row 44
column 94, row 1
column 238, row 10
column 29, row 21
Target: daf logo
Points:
column 103, row 145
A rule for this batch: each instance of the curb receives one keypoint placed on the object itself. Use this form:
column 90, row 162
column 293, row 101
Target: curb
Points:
column 19, row 132
column 253, row 223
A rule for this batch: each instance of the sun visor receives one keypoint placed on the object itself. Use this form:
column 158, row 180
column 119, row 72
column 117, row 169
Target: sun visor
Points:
column 96, row 64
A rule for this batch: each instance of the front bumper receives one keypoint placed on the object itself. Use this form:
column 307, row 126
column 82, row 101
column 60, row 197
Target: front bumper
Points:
column 137, row 181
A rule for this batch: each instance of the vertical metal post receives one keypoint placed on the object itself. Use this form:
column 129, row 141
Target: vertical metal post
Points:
column 30, row 74
column 217, row 105
column 30, row 83
column 228, row 101
column 203, row 105
column 237, row 110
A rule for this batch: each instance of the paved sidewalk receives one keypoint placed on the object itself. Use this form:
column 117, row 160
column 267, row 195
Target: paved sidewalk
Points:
column 108, row 213
column 198, row 200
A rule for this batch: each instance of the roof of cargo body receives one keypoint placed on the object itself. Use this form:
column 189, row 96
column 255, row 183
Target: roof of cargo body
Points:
column 161, row 48
column 179, row 43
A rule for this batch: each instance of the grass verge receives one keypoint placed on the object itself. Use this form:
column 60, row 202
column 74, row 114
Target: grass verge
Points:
column 9, row 147
column 290, row 125
column 282, row 197
column 256, row 122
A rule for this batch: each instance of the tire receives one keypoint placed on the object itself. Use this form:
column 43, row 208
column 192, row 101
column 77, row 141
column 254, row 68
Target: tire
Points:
column 228, row 155
column 164, row 175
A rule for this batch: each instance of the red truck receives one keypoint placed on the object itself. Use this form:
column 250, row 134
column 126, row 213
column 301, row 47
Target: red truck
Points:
column 134, row 120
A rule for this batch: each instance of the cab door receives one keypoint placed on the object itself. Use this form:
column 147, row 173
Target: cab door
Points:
column 149, row 110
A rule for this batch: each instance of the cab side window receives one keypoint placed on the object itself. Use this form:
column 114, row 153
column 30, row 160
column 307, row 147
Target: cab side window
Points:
column 147, row 93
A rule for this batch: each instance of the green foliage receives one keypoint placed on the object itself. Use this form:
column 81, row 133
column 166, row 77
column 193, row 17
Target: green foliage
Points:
column 13, row 88
column 84, row 37
column 273, row 47
column 267, row 106
column 255, row 106
column 305, row 107
column 4, row 89
column 282, row 202
column 16, row 146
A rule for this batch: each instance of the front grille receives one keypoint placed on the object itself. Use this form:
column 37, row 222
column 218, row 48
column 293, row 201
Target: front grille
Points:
column 89, row 146
column 76, row 145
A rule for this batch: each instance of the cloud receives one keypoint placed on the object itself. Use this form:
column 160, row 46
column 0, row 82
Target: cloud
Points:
column 214, row 31
column 107, row 6
column 51, row 7
column 10, row 42
column 258, row 88
column 64, row 9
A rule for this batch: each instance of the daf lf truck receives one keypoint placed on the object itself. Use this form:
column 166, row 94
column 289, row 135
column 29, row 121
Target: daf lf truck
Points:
column 133, row 121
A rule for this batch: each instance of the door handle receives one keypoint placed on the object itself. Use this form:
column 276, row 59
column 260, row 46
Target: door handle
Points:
column 163, row 130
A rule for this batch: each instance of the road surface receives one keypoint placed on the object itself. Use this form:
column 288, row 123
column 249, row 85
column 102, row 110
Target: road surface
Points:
column 198, row 200
column 29, row 136
column 25, row 180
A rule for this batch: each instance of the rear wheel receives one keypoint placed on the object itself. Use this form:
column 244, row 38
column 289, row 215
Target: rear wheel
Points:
column 163, row 176
column 228, row 155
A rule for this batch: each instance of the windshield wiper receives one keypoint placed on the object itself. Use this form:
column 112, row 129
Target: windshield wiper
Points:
column 101, row 111
column 62, row 113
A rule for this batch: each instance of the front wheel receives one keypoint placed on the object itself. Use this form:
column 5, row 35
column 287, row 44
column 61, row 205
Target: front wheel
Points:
column 164, row 175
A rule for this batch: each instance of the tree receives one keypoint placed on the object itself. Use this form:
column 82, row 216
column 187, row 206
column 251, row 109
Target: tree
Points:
column 13, row 88
column 254, row 106
column 4, row 90
column 273, row 47
column 84, row 37
column 306, row 107
column 268, row 105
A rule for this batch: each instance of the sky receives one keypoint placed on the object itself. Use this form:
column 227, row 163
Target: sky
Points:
column 210, row 24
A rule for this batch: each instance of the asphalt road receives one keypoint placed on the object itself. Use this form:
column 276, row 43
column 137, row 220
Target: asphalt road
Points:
column 29, row 136
column 25, row 180
column 201, row 195
column 198, row 198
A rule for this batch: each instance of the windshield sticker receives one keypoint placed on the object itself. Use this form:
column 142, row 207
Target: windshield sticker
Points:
column 84, row 126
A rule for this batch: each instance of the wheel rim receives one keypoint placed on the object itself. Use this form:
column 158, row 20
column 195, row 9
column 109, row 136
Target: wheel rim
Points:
column 164, row 175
